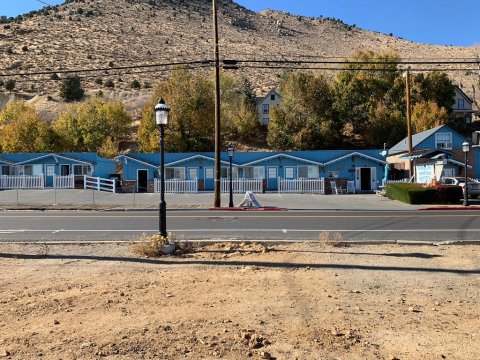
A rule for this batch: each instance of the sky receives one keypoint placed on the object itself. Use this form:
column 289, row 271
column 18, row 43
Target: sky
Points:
column 438, row 22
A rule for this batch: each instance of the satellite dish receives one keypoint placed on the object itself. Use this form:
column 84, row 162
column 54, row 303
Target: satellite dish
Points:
column 383, row 153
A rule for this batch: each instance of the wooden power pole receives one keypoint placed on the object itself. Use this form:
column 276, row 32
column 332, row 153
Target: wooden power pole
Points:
column 409, row 123
column 217, row 110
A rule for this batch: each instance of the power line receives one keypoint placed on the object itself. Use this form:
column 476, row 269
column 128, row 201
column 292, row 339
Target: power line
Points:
column 44, row 3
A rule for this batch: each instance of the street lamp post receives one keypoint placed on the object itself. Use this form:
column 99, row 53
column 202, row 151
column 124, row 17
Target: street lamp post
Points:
column 161, row 120
column 230, row 151
column 465, row 149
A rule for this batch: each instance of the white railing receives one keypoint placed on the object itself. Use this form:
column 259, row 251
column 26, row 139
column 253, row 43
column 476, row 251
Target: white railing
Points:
column 177, row 186
column 22, row 182
column 301, row 186
column 100, row 184
column 396, row 181
column 240, row 186
column 64, row 182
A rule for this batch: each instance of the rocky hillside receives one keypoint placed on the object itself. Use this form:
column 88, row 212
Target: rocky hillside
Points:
column 107, row 34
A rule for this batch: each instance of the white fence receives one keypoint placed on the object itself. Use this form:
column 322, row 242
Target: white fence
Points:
column 301, row 186
column 22, row 182
column 64, row 182
column 100, row 184
column 240, row 186
column 178, row 186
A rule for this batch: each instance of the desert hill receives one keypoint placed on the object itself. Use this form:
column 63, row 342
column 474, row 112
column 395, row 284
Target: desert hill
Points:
column 107, row 34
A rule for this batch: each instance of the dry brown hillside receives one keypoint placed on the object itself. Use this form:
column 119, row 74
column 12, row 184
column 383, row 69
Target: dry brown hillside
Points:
column 87, row 34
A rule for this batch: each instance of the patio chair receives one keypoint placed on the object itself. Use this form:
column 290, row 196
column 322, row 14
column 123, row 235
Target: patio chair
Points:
column 336, row 190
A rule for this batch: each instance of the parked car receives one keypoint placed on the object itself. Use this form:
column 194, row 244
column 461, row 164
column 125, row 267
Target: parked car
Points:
column 473, row 186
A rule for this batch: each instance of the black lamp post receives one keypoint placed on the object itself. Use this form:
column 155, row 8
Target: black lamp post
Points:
column 230, row 151
column 161, row 119
column 465, row 149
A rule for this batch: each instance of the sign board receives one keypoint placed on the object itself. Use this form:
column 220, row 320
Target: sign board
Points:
column 250, row 201
column 424, row 173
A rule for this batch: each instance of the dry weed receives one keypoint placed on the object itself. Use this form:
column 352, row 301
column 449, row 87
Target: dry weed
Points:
column 335, row 240
column 151, row 245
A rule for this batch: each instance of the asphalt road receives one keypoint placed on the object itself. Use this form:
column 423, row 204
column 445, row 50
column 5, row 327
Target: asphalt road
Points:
column 246, row 225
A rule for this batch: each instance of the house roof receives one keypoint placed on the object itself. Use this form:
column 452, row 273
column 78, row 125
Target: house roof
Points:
column 282, row 155
column 171, row 159
column 6, row 161
column 431, row 153
column 356, row 153
column 460, row 91
column 54, row 155
column 416, row 139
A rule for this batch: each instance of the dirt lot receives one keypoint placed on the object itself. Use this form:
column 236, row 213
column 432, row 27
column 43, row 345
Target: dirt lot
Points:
column 227, row 301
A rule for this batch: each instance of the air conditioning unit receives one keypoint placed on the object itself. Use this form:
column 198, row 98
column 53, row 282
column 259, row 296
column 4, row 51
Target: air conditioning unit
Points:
column 476, row 137
column 445, row 145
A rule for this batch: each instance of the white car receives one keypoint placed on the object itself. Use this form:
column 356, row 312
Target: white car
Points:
column 473, row 186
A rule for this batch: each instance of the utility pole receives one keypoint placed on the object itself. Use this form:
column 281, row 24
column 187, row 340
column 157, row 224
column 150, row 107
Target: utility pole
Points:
column 217, row 109
column 409, row 123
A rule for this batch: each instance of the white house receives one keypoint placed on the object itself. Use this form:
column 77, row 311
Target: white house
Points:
column 265, row 104
column 463, row 107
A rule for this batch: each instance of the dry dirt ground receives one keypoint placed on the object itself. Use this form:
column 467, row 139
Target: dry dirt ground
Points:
column 227, row 301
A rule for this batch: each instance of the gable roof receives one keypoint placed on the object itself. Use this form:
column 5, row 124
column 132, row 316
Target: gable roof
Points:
column 54, row 155
column 416, row 139
column 199, row 157
column 355, row 153
column 460, row 91
column 6, row 161
column 282, row 155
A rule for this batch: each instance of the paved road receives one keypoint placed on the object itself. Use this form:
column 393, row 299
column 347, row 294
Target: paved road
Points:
column 273, row 225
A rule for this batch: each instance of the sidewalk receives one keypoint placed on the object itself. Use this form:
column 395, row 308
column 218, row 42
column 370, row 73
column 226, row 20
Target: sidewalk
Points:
column 88, row 199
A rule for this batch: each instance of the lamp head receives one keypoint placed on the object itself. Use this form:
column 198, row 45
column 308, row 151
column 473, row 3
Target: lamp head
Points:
column 230, row 151
column 466, row 146
column 161, row 113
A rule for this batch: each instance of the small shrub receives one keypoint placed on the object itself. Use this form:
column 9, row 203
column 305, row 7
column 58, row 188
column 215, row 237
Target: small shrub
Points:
column 135, row 84
column 9, row 51
column 109, row 83
column 110, row 64
column 24, row 48
column 331, row 241
column 10, row 85
column 54, row 76
column 49, row 98
column 151, row 245
column 71, row 88
column 98, row 81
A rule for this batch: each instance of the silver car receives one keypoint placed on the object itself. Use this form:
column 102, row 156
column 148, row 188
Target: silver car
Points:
column 473, row 186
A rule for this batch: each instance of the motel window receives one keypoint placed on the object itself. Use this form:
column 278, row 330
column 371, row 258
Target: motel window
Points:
column 308, row 171
column 209, row 173
column 254, row 172
column 333, row 174
column 5, row 170
column 265, row 108
column 64, row 170
column 289, row 172
column 443, row 140
column 225, row 170
column 28, row 170
column 175, row 173
column 82, row 170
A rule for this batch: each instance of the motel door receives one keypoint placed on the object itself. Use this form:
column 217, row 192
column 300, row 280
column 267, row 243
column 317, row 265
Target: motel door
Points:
column 272, row 178
column 49, row 173
column 365, row 179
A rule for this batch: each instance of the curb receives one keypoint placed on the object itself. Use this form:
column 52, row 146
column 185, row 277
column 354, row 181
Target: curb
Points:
column 465, row 208
column 248, row 209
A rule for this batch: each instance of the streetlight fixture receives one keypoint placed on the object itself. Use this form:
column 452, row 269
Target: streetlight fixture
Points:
column 161, row 120
column 465, row 149
column 230, row 151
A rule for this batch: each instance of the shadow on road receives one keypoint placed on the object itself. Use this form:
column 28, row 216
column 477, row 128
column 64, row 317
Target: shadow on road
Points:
column 173, row 261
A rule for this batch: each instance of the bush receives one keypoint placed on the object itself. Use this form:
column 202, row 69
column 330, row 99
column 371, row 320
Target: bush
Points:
column 109, row 84
column 71, row 88
column 54, row 76
column 135, row 84
column 419, row 194
column 10, row 85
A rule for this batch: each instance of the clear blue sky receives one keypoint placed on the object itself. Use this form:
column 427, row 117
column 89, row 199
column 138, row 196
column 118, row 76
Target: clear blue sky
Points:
column 442, row 22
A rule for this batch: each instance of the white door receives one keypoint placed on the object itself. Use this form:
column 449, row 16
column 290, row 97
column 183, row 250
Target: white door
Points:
column 358, row 183
column 373, row 177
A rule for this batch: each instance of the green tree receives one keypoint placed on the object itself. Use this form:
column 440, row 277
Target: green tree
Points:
column 304, row 119
column 361, row 87
column 191, row 126
column 23, row 130
column 85, row 127
column 385, row 126
column 71, row 88
column 238, row 106
column 434, row 86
